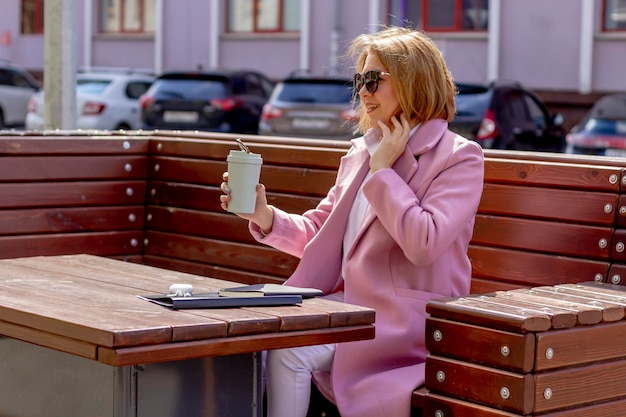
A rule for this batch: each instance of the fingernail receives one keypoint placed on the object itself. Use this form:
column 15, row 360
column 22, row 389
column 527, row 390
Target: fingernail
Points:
column 227, row 189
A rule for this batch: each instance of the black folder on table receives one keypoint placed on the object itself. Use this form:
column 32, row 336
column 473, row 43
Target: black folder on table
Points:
column 213, row 300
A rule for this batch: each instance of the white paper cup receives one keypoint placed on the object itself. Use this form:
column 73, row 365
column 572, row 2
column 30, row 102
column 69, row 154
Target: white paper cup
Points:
column 244, row 171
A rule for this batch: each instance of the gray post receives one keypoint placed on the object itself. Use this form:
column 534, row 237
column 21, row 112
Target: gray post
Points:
column 59, row 64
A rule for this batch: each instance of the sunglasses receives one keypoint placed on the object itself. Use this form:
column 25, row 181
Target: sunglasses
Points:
column 369, row 80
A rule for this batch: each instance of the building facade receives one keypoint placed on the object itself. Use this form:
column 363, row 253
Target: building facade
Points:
column 566, row 49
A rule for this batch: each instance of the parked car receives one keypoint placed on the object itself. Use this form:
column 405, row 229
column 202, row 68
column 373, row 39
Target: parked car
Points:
column 17, row 85
column 105, row 100
column 602, row 131
column 505, row 115
column 227, row 101
column 303, row 105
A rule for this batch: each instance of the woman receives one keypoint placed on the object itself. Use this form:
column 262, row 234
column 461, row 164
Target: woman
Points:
column 391, row 234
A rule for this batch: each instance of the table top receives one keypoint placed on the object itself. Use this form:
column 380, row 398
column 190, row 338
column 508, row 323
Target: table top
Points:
column 87, row 306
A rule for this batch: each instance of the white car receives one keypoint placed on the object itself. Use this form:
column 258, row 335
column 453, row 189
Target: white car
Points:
column 17, row 85
column 105, row 100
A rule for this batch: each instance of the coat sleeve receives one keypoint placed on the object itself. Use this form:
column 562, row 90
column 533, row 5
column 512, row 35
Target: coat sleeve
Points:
column 425, row 228
column 291, row 232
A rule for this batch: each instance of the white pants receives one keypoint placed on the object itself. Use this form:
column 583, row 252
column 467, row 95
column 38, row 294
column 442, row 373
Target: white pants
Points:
column 288, row 375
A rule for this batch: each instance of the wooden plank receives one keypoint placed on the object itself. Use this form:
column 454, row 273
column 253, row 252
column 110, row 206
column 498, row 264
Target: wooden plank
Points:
column 294, row 180
column 618, row 249
column 341, row 314
column 82, row 168
column 311, row 153
column 65, row 219
column 617, row 274
column 52, row 341
column 584, row 314
column 473, row 311
column 543, row 236
column 434, row 403
column 232, row 345
column 72, row 194
column 563, row 174
column 96, row 243
column 486, row 286
column 256, row 258
column 223, row 226
column 193, row 196
column 621, row 211
column 480, row 384
column 560, row 317
column 482, row 345
column 505, row 269
column 580, row 385
column 73, row 144
column 580, row 345
column 439, row 405
column 606, row 311
column 549, row 203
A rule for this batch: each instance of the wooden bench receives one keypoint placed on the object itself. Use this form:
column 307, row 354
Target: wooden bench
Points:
column 544, row 219
column 63, row 194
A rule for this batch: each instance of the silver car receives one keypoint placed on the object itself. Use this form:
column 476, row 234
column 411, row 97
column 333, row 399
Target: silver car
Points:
column 17, row 85
column 105, row 100
column 311, row 107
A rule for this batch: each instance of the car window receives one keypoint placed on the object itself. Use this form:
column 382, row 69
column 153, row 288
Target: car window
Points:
column 21, row 81
column 13, row 78
column 315, row 92
column 536, row 113
column 254, row 87
column 514, row 106
column 192, row 89
column 610, row 108
column 91, row 86
column 135, row 89
column 5, row 77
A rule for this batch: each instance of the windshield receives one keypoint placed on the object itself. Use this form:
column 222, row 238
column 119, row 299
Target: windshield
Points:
column 191, row 89
column 306, row 92
column 91, row 86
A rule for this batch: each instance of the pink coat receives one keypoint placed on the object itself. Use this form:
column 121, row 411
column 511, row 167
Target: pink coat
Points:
column 411, row 248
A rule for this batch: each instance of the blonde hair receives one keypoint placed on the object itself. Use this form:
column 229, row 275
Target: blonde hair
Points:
column 419, row 76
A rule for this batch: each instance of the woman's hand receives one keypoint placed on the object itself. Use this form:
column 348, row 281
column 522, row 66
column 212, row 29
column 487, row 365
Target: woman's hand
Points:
column 263, row 215
column 392, row 143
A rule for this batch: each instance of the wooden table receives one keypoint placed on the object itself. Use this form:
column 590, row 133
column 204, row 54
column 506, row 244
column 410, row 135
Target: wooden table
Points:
column 77, row 341
column 554, row 351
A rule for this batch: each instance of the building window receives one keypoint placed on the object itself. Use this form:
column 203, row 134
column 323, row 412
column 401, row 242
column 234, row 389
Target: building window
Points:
column 614, row 15
column 440, row 15
column 127, row 16
column 263, row 15
column 32, row 16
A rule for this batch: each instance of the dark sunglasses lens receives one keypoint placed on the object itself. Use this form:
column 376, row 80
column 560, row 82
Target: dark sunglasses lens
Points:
column 369, row 79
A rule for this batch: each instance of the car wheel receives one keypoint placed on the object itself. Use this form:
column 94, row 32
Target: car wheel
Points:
column 1, row 119
column 123, row 126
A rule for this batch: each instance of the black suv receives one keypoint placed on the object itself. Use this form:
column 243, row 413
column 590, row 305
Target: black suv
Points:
column 504, row 115
column 227, row 101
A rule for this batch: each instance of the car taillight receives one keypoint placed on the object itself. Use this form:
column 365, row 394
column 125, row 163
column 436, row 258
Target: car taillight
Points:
column 351, row 114
column 270, row 112
column 32, row 105
column 225, row 104
column 487, row 129
column 146, row 101
column 93, row 107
